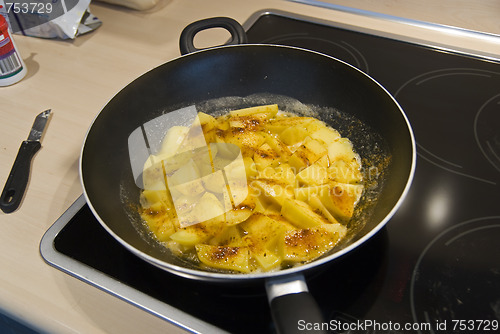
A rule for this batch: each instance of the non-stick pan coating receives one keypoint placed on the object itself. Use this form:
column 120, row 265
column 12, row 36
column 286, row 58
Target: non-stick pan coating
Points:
column 309, row 77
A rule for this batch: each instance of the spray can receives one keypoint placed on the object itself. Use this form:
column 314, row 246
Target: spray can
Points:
column 12, row 67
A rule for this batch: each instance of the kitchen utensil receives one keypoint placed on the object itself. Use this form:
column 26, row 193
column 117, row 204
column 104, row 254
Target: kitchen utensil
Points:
column 241, row 71
column 14, row 189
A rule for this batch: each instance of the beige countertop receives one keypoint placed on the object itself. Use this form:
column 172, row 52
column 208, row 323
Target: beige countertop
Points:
column 76, row 78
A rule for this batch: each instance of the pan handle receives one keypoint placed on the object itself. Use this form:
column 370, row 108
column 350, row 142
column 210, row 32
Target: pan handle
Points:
column 238, row 34
column 293, row 308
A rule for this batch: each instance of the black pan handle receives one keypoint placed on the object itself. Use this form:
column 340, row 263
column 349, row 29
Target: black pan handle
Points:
column 238, row 34
column 293, row 308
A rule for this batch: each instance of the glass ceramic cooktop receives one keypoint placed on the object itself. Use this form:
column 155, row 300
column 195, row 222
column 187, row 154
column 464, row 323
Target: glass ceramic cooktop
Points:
column 437, row 260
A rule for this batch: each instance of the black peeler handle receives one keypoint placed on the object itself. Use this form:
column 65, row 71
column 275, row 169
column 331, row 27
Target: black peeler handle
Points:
column 15, row 187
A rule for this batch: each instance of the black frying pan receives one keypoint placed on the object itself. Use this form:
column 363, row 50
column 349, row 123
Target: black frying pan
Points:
column 298, row 80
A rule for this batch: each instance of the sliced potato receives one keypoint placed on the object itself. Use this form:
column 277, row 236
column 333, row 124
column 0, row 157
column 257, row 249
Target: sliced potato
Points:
column 238, row 215
column 247, row 141
column 156, row 196
column 304, row 193
column 301, row 214
column 230, row 236
column 269, row 110
column 272, row 192
column 263, row 231
column 341, row 199
column 308, row 153
column 185, row 203
column 190, row 236
column 224, row 257
column 160, row 224
column 298, row 162
column 265, row 156
column 248, row 123
column 208, row 208
column 278, row 146
column 315, row 125
column 186, row 173
column 173, row 140
column 215, row 182
column 313, row 175
column 326, row 135
column 313, row 149
column 250, row 167
column 208, row 126
column 266, row 258
column 341, row 150
column 307, row 244
column 324, row 161
column 278, row 125
column 345, row 172
column 317, row 205
column 282, row 174
column 293, row 135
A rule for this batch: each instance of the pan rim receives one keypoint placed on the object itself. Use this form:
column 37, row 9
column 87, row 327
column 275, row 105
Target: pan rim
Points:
column 215, row 276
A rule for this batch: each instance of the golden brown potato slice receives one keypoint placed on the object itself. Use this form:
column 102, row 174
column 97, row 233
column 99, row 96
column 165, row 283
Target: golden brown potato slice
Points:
column 224, row 257
column 308, row 244
column 341, row 199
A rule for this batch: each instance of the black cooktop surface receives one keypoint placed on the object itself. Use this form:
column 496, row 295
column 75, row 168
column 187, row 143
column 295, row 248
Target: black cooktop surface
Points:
column 436, row 263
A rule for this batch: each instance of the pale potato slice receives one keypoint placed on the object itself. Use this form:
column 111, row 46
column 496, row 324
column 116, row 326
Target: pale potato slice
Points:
column 317, row 205
column 341, row 150
column 345, row 172
column 280, row 124
column 250, row 167
column 313, row 175
column 326, row 135
column 172, row 141
column 278, row 146
column 301, row 214
column 282, row 174
column 269, row 110
column 208, row 208
column 190, row 236
column 272, row 192
column 305, row 193
column 294, row 134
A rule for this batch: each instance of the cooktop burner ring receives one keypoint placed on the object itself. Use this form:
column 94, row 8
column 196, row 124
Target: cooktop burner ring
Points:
column 487, row 131
column 442, row 291
column 450, row 130
column 350, row 53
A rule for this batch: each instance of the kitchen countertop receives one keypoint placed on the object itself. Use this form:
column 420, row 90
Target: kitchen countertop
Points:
column 76, row 78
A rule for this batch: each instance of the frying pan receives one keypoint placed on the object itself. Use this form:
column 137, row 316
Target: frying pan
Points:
column 236, row 76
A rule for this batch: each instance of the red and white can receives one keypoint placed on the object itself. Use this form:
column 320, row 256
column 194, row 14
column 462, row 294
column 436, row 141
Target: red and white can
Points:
column 12, row 67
